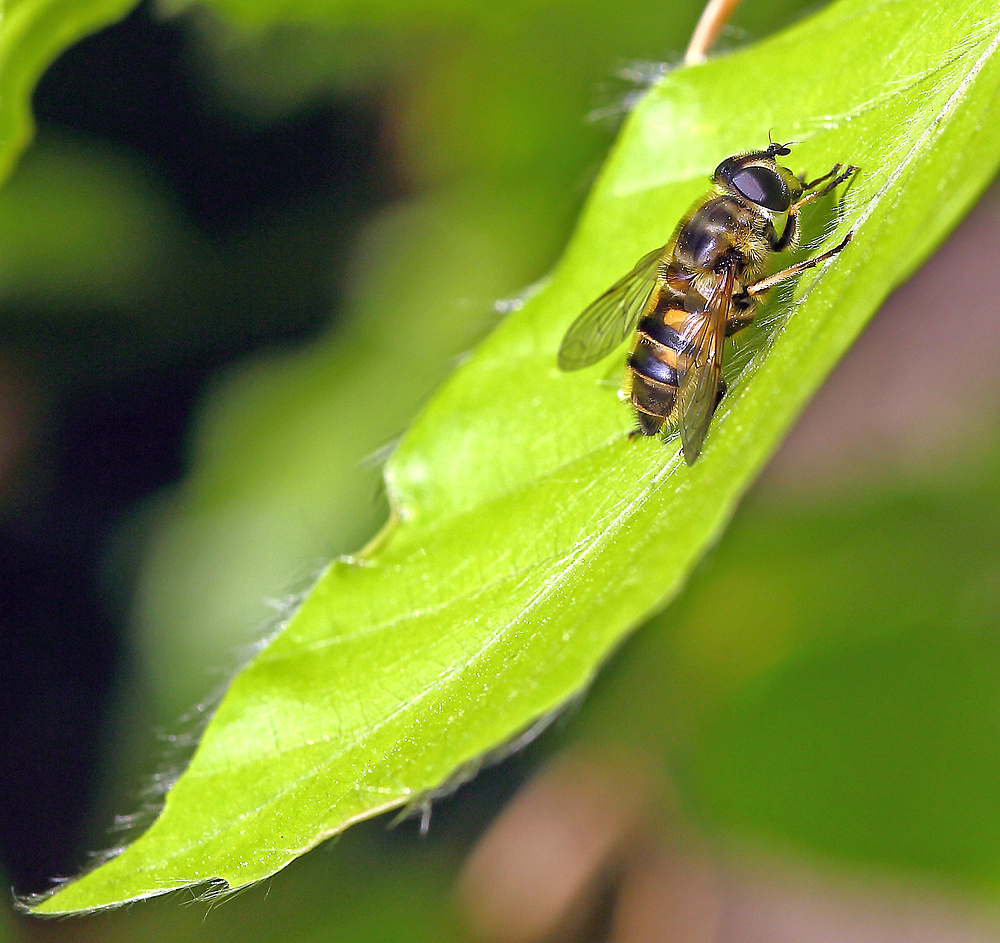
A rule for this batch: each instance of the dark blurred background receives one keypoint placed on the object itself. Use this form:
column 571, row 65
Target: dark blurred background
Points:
column 213, row 228
column 101, row 394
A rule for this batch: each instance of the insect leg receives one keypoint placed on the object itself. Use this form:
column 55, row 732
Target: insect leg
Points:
column 849, row 171
column 758, row 288
column 813, row 183
column 722, row 392
column 743, row 314
column 789, row 238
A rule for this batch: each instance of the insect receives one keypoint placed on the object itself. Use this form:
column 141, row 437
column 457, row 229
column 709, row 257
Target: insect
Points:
column 684, row 299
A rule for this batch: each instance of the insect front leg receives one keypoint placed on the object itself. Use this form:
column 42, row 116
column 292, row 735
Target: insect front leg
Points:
column 838, row 178
column 812, row 184
column 789, row 238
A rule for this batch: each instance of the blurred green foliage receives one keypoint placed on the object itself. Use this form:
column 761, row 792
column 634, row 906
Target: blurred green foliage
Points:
column 5, row 928
column 82, row 228
column 365, row 888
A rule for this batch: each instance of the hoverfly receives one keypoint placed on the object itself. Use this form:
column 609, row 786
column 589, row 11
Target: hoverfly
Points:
column 684, row 299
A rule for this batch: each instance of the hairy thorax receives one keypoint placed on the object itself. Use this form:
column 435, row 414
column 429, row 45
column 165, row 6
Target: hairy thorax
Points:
column 720, row 234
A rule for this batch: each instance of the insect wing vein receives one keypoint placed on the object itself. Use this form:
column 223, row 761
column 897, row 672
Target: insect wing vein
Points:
column 605, row 324
column 699, row 388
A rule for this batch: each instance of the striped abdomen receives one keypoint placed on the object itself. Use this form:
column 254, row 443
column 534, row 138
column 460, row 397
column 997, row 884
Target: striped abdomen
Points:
column 653, row 362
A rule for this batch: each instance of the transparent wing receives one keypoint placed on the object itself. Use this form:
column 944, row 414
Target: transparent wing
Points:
column 611, row 318
column 702, row 368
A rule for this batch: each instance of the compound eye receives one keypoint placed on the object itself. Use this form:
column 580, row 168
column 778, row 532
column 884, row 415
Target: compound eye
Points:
column 764, row 187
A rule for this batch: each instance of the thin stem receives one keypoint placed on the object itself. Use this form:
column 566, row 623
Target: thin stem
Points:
column 713, row 18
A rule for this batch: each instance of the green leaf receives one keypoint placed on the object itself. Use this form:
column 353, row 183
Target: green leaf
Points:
column 530, row 534
column 376, row 887
column 416, row 14
column 33, row 33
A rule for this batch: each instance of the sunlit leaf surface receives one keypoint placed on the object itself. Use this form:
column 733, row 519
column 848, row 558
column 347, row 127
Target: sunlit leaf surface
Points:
column 530, row 533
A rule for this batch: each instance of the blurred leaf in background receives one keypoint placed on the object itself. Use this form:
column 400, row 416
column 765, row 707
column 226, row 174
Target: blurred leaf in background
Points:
column 6, row 932
column 370, row 888
column 81, row 227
